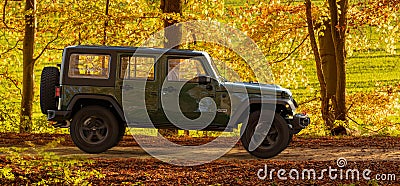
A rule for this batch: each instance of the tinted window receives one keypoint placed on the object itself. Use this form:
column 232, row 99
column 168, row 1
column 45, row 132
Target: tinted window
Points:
column 89, row 66
column 184, row 69
column 137, row 67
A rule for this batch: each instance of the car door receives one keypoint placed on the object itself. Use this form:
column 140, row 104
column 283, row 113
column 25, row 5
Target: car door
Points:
column 139, row 88
column 187, row 102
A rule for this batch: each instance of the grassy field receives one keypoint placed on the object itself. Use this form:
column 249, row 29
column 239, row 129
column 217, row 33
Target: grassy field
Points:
column 364, row 72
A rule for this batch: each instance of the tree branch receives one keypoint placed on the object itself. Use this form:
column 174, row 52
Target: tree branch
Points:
column 47, row 45
column 290, row 53
column 314, row 46
column 310, row 100
column 366, row 128
column 106, row 23
column 5, row 75
column 4, row 14
column 2, row 114
column 12, row 48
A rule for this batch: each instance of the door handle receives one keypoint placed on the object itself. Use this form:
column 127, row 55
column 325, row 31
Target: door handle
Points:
column 169, row 89
column 126, row 87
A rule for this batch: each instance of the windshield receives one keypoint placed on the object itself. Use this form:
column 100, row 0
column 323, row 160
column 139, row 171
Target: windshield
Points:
column 214, row 68
column 217, row 70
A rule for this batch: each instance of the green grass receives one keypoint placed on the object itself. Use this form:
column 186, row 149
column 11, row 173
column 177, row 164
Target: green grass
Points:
column 364, row 72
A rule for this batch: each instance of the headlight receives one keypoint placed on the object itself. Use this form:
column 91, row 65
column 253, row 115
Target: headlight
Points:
column 295, row 103
column 285, row 95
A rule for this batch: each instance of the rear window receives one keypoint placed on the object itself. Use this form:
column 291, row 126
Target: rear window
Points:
column 95, row 66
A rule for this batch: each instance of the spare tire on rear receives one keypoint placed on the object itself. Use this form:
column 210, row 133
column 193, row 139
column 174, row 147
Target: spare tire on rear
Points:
column 48, row 81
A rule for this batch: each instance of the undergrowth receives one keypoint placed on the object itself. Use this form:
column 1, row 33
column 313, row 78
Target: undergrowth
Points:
column 36, row 166
column 369, row 113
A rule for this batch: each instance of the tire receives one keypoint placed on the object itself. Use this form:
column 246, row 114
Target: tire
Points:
column 121, row 133
column 290, row 138
column 94, row 129
column 49, row 80
column 276, row 140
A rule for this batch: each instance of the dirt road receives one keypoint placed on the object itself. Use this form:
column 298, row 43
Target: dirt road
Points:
column 290, row 154
column 300, row 149
column 128, row 163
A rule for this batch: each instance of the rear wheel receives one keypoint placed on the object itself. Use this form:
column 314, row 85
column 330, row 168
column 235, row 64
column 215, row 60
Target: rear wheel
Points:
column 49, row 80
column 276, row 140
column 94, row 129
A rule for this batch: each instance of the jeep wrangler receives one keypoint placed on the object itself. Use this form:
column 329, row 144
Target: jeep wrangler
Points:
column 85, row 94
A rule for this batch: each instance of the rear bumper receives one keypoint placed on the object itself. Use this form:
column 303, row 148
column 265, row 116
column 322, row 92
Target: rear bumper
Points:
column 58, row 115
column 299, row 122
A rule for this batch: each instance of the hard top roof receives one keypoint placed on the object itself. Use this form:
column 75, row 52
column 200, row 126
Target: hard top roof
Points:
column 125, row 49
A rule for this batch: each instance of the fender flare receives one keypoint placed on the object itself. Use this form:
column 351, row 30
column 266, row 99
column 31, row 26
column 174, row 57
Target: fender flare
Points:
column 107, row 98
column 242, row 113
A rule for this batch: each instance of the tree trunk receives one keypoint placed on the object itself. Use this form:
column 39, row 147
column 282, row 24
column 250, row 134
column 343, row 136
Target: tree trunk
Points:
column 340, row 49
column 338, row 26
column 318, row 63
column 172, row 37
column 28, row 66
column 330, row 61
column 105, row 24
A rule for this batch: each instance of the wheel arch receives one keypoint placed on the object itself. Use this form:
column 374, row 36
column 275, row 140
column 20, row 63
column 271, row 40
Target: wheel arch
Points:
column 79, row 101
column 244, row 110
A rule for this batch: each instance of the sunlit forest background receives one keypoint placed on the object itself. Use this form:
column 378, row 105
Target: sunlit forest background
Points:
column 279, row 28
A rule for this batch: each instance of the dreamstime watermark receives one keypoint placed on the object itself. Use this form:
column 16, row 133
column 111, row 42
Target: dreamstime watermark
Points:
column 136, row 109
column 333, row 173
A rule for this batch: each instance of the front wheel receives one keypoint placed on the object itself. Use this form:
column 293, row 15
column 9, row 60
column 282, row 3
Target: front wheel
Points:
column 275, row 141
column 94, row 129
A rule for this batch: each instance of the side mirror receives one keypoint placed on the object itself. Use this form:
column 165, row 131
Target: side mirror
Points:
column 204, row 80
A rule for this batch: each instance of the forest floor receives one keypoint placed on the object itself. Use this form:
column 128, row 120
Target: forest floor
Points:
column 128, row 163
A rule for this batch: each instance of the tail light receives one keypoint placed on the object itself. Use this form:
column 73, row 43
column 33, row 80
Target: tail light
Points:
column 58, row 91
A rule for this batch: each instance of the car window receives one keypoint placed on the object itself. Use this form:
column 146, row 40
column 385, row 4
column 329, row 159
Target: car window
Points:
column 89, row 66
column 184, row 69
column 137, row 67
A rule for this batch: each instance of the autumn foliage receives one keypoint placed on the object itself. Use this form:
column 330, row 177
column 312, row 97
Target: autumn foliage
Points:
column 278, row 28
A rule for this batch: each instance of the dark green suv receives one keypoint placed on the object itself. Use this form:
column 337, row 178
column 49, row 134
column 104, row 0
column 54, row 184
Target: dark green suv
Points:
column 98, row 91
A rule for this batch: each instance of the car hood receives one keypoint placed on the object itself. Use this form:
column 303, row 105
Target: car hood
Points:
column 256, row 88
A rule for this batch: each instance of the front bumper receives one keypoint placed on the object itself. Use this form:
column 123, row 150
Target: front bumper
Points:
column 299, row 122
column 58, row 115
